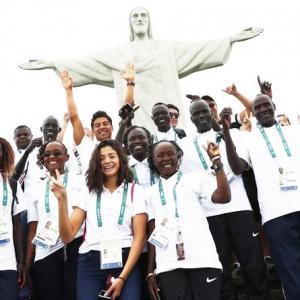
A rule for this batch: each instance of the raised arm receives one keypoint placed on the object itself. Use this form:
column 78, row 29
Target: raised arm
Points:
column 129, row 76
column 222, row 194
column 63, row 128
column 78, row 130
column 20, row 166
column 237, row 164
column 265, row 87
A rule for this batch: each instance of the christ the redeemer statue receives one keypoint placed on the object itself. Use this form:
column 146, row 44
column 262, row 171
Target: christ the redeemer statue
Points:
column 159, row 64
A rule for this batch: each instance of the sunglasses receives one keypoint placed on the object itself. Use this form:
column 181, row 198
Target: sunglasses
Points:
column 174, row 115
column 55, row 154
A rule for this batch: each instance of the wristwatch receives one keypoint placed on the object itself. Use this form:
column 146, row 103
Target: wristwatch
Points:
column 217, row 166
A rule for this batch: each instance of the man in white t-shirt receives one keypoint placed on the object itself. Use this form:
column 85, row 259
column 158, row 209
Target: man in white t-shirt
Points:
column 232, row 225
column 161, row 119
column 274, row 152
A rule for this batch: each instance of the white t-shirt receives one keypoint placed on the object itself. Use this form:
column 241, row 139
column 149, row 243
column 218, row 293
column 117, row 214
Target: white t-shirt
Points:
column 7, row 250
column 85, row 150
column 110, row 210
column 274, row 202
column 169, row 135
column 199, row 246
column 76, row 191
column 192, row 163
column 142, row 171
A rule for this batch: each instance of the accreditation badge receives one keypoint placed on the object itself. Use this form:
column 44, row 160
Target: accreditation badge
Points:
column 161, row 234
column 4, row 231
column 287, row 178
column 111, row 251
column 47, row 234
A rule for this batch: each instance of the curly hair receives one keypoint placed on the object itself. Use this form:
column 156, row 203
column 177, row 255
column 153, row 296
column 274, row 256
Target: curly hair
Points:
column 40, row 158
column 94, row 176
column 8, row 158
column 126, row 133
column 152, row 148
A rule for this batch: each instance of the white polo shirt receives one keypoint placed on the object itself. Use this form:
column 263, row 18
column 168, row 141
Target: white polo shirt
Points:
column 110, row 210
column 192, row 163
column 199, row 246
column 169, row 135
column 76, row 191
column 274, row 202
column 141, row 170
column 7, row 250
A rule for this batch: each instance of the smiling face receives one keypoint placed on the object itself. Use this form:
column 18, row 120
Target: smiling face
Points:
column 54, row 157
column 139, row 19
column 109, row 162
column 161, row 117
column 138, row 142
column 264, row 110
column 165, row 159
column 102, row 129
column 201, row 115
column 50, row 129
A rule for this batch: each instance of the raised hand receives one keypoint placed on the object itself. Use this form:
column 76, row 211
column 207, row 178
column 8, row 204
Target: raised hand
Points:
column 265, row 87
column 246, row 34
column 247, row 122
column 35, row 143
column 212, row 149
column 231, row 90
column 129, row 73
column 56, row 186
column 36, row 64
column 66, row 80
column 225, row 116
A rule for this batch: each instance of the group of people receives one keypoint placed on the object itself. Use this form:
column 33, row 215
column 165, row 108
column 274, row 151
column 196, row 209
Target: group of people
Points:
column 150, row 214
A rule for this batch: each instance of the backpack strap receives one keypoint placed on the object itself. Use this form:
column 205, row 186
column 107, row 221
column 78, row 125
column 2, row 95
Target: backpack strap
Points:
column 132, row 191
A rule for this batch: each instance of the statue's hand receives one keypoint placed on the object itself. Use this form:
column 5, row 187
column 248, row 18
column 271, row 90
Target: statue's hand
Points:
column 35, row 64
column 246, row 34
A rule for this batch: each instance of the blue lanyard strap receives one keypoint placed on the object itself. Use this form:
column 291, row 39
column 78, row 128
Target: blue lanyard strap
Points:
column 268, row 143
column 162, row 194
column 47, row 205
column 122, row 209
column 202, row 159
column 136, row 179
column 5, row 193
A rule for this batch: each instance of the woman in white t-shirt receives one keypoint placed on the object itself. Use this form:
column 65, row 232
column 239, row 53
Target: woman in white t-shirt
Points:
column 12, row 271
column 115, row 215
column 187, row 264
column 55, row 263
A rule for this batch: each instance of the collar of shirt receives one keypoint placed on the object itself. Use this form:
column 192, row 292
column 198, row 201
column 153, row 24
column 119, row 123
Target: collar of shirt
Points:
column 171, row 180
column 132, row 161
column 118, row 190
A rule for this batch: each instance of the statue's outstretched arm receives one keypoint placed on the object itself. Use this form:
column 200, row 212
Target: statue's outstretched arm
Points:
column 36, row 64
column 246, row 34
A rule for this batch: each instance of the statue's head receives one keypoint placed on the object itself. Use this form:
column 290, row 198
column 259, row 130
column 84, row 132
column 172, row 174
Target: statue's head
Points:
column 139, row 23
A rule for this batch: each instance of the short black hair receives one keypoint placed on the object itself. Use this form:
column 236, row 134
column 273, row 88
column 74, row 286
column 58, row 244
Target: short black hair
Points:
column 170, row 105
column 208, row 98
column 20, row 127
column 125, row 135
column 152, row 147
column 100, row 114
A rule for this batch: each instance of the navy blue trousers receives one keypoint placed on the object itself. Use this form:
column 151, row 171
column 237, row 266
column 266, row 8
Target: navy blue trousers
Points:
column 284, row 238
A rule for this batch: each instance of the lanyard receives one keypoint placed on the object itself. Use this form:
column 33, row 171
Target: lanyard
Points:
column 204, row 164
column 162, row 194
column 136, row 179
column 122, row 209
column 5, row 193
column 47, row 205
column 283, row 140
